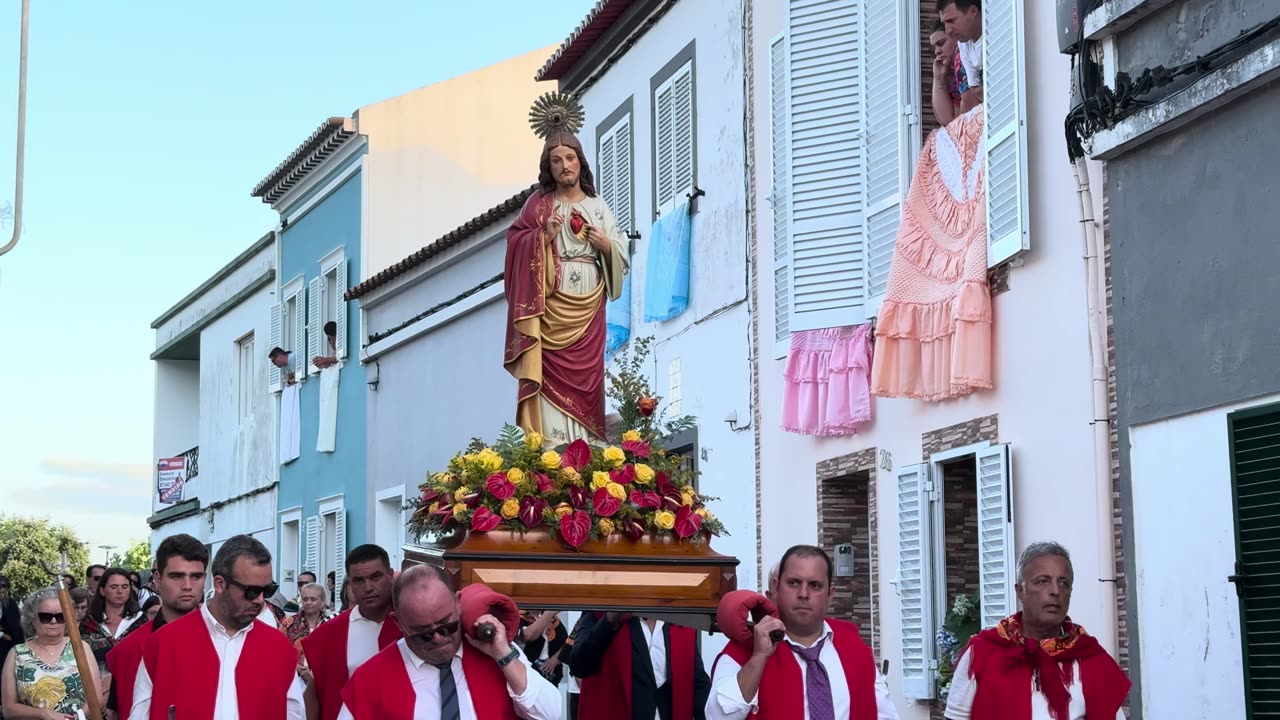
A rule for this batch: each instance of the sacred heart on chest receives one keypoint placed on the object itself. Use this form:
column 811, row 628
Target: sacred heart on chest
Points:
column 578, row 225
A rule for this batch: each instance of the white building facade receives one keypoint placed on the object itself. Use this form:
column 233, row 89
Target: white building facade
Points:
column 213, row 407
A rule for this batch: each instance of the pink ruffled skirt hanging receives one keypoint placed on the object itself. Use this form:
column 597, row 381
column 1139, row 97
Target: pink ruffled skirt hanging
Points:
column 826, row 390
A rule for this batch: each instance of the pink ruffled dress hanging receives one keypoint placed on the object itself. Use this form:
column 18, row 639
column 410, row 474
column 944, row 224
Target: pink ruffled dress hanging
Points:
column 826, row 389
column 933, row 337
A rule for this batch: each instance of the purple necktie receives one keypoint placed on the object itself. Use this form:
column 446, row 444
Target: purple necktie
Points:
column 817, row 685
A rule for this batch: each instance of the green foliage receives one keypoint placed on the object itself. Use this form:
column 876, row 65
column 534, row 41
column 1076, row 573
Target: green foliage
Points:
column 509, row 440
column 31, row 553
column 136, row 557
column 629, row 384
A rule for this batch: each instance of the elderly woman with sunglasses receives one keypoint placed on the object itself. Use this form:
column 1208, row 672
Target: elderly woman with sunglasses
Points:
column 40, row 678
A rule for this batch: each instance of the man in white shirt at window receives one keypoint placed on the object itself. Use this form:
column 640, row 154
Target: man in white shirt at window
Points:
column 280, row 358
column 963, row 21
column 820, row 670
column 196, row 662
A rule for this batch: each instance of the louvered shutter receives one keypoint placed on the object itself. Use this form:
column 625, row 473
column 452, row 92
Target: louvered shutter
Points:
column 890, row 50
column 606, row 173
column 615, row 172
column 682, row 126
column 778, row 196
column 664, row 138
column 274, row 376
column 341, row 305
column 315, row 308
column 995, row 536
column 313, row 546
column 300, row 356
column 1004, row 102
column 1255, row 478
column 825, row 149
column 339, row 549
column 915, row 582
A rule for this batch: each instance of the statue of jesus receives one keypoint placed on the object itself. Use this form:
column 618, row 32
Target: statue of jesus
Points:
column 565, row 254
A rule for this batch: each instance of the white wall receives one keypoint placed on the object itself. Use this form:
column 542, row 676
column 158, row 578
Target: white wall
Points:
column 241, row 276
column 1184, row 549
column 1041, row 356
column 177, row 413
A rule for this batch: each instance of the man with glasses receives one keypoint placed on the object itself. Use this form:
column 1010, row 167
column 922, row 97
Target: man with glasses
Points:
column 181, row 563
column 336, row 648
column 196, row 663
column 433, row 673
column 93, row 577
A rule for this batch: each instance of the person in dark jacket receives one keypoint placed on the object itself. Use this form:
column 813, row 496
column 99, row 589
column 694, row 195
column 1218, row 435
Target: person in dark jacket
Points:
column 543, row 637
column 10, row 620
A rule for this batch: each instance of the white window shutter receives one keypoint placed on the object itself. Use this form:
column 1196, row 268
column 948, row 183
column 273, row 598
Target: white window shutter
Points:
column 664, row 144
column 315, row 309
column 915, row 582
column 339, row 549
column 995, row 535
column 313, row 546
column 606, row 173
column 276, row 320
column 1005, row 105
column 622, row 210
column 778, row 196
column 825, row 149
column 684, row 113
column 890, row 50
column 341, row 304
column 300, row 357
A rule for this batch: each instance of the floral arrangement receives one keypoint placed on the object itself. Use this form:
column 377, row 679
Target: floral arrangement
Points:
column 579, row 491
column 962, row 622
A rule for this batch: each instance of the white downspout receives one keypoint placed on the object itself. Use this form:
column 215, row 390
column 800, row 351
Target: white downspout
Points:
column 1107, row 631
column 22, row 131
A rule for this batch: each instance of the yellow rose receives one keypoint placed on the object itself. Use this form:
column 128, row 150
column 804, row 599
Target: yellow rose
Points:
column 664, row 519
column 687, row 497
column 570, row 475
column 702, row 513
column 489, row 460
column 614, row 456
column 616, row 491
column 644, row 473
column 599, row 480
column 433, row 507
column 462, row 491
column 551, row 460
column 631, row 436
column 564, row 509
column 459, row 509
column 510, row 508
column 606, row 526
column 515, row 475
column 534, row 440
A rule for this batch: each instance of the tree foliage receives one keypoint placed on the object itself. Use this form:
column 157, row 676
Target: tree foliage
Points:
column 136, row 557
column 31, row 549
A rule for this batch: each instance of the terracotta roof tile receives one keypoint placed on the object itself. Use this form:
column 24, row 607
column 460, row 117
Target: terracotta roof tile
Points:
column 313, row 151
column 595, row 24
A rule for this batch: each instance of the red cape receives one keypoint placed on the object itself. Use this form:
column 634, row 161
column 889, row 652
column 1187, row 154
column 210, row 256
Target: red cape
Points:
column 607, row 693
column 326, row 652
column 380, row 689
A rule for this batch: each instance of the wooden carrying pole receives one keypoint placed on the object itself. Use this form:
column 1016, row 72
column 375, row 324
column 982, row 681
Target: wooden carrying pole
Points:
column 94, row 709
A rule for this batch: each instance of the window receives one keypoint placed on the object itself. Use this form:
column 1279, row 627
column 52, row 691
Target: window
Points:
column 955, row 535
column 674, row 132
column 675, row 391
column 333, row 308
column 390, row 522
column 289, row 329
column 615, row 176
column 1005, row 105
column 290, row 542
column 247, row 377
column 778, row 196
column 327, row 542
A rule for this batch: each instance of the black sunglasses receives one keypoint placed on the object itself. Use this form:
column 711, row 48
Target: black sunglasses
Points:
column 252, row 592
column 51, row 618
column 443, row 631
column 96, row 578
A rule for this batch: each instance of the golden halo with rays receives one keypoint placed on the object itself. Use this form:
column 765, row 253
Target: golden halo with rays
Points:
column 555, row 112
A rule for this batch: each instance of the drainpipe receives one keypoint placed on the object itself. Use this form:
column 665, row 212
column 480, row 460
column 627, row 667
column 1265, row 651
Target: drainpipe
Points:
column 1096, row 288
column 22, row 131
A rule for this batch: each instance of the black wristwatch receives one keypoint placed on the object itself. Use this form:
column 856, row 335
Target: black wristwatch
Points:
column 509, row 657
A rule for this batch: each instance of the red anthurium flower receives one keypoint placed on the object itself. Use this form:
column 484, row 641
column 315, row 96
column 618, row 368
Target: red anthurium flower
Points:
column 577, row 496
column 687, row 523
column 545, row 484
column 673, row 499
column 531, row 509
column 484, row 520
column 472, row 499
column 575, row 527
column 636, row 447
column 664, row 483
column 605, row 504
column 576, row 456
column 624, row 475
column 429, row 496
column 648, row 499
column 634, row 529
column 499, row 486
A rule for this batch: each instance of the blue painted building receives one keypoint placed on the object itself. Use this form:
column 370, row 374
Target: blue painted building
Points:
column 317, row 192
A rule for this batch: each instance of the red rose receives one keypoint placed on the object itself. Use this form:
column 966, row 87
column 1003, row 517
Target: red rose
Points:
column 605, row 504
column 531, row 509
column 636, row 447
column 646, row 406
column 577, row 496
column 484, row 520
column 499, row 486
column 634, row 529
column 575, row 527
column 687, row 522
column 648, row 500
column 624, row 475
column 576, row 456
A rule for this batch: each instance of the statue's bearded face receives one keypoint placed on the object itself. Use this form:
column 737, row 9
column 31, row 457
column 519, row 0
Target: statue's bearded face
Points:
column 565, row 166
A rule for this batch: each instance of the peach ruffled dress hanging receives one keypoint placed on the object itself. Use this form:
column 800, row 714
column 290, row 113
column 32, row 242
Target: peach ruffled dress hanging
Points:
column 933, row 335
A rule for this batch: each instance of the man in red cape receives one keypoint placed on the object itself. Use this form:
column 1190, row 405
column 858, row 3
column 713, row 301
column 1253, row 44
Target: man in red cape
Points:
column 634, row 668
column 565, row 255
column 181, row 563
column 820, row 670
column 221, row 661
column 336, row 648
column 1037, row 664
column 433, row 672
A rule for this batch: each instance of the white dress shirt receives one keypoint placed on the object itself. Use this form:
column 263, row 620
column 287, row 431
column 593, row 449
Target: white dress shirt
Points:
column 226, row 706
column 362, row 639
column 539, row 701
column 123, row 627
column 657, row 644
column 971, row 58
column 964, row 689
column 726, row 701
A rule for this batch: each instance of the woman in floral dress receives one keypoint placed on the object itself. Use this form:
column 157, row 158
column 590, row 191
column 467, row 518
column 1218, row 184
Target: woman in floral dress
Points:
column 40, row 678
column 298, row 626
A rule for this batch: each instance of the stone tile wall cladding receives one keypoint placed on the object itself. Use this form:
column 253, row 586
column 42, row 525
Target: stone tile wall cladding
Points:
column 846, row 494
column 1117, row 516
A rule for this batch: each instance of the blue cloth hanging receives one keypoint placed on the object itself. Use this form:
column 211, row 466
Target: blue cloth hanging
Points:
column 666, row 271
column 617, row 319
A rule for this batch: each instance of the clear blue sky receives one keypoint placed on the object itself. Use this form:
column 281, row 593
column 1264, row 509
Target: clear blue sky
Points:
column 148, row 125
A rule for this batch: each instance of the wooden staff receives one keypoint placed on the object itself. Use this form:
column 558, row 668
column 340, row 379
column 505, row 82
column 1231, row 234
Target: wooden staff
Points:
column 94, row 709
